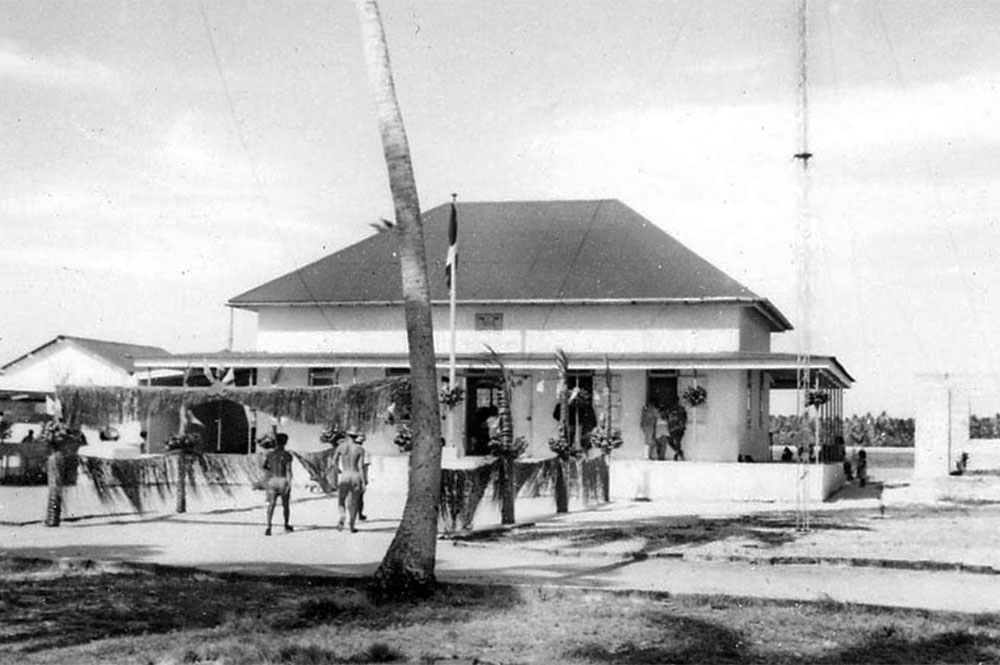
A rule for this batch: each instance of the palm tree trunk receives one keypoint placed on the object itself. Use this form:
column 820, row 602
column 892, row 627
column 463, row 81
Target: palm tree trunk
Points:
column 54, row 471
column 181, row 481
column 606, row 478
column 562, row 489
column 508, row 487
column 408, row 566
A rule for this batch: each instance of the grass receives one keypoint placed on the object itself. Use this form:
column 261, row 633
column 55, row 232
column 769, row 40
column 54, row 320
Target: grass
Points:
column 175, row 618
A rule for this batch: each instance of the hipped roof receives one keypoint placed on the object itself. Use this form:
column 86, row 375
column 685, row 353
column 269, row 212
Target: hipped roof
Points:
column 521, row 252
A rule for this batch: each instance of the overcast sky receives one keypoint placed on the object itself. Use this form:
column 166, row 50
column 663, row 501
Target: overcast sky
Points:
column 162, row 157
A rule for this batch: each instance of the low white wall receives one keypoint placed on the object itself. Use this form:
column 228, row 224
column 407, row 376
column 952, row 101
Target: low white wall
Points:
column 722, row 481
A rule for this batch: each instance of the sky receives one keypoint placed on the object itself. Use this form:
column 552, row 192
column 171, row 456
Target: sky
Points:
column 161, row 157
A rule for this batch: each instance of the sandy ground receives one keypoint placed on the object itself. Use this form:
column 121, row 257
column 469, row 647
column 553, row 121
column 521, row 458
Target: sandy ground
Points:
column 931, row 545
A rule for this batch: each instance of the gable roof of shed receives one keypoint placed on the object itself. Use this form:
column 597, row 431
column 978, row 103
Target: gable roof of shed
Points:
column 520, row 251
column 120, row 354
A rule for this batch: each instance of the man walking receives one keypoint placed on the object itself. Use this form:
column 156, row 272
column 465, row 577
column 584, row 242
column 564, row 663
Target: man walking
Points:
column 278, row 480
column 366, row 461
column 351, row 482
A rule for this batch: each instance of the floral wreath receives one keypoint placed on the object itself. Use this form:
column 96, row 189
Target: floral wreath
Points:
column 188, row 441
column 816, row 398
column 515, row 449
column 452, row 396
column 695, row 395
column 403, row 438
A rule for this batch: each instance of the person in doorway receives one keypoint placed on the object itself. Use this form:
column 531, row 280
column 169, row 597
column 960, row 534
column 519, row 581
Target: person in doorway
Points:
column 581, row 419
column 351, row 480
column 278, row 481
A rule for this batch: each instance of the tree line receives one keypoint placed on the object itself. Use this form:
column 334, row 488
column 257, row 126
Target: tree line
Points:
column 984, row 427
column 881, row 431
column 867, row 430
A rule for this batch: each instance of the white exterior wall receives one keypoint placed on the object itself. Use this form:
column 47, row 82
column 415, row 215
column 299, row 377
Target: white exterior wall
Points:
column 633, row 396
column 715, row 435
column 942, row 426
column 707, row 481
column 716, row 431
column 755, row 333
column 526, row 329
column 63, row 364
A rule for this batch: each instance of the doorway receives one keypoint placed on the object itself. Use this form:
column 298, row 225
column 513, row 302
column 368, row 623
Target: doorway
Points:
column 661, row 389
column 223, row 427
column 480, row 405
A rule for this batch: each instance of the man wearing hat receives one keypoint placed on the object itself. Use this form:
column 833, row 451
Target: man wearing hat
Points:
column 353, row 478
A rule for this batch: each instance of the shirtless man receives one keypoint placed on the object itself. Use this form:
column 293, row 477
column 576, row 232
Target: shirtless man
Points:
column 351, row 482
column 278, row 480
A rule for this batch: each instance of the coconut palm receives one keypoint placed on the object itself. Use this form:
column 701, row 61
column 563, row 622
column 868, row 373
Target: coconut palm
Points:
column 561, row 488
column 63, row 442
column 408, row 566
column 505, row 447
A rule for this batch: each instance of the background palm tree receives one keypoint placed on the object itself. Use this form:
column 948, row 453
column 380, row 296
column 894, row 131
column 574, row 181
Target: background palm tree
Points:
column 508, row 487
column 408, row 566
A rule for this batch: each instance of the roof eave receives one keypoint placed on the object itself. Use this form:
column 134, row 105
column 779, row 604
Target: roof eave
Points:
column 763, row 305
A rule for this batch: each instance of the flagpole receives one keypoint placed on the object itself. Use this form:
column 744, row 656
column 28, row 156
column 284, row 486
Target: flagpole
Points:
column 451, row 352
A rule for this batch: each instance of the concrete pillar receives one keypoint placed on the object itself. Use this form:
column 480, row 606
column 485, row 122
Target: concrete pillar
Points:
column 942, row 425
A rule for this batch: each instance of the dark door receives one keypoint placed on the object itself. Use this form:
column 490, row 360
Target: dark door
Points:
column 224, row 427
column 661, row 390
column 479, row 407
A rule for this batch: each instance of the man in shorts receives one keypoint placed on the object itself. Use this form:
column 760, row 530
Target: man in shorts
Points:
column 366, row 461
column 278, row 480
column 351, row 482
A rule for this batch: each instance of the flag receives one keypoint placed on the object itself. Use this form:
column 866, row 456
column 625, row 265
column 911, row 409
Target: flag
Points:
column 451, row 264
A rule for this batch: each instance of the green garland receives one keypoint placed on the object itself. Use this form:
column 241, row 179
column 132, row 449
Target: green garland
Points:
column 462, row 490
column 320, row 467
column 358, row 405
column 113, row 477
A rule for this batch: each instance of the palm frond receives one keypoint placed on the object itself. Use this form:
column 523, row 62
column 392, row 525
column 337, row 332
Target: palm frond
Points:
column 382, row 225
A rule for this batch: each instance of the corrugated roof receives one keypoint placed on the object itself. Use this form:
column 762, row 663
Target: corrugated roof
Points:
column 517, row 251
column 117, row 353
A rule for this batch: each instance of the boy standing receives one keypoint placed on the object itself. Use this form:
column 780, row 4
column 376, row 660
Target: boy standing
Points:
column 278, row 480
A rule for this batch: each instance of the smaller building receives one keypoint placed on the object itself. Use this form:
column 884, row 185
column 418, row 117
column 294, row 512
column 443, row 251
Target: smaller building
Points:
column 28, row 383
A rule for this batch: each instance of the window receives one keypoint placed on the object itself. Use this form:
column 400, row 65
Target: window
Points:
column 489, row 321
column 323, row 376
column 397, row 371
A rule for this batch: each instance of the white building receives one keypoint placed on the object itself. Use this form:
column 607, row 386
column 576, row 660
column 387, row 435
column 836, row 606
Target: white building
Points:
column 593, row 278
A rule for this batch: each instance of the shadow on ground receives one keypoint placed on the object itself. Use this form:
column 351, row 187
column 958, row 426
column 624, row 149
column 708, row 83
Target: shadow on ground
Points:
column 855, row 492
column 95, row 552
column 54, row 611
column 669, row 638
column 683, row 640
column 659, row 533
